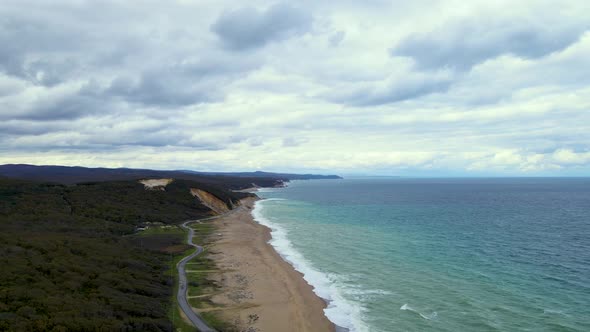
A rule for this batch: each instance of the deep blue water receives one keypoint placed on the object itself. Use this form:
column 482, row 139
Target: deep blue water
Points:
column 440, row 254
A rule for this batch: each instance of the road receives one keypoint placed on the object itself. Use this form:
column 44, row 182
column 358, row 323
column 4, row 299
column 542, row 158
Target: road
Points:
column 182, row 284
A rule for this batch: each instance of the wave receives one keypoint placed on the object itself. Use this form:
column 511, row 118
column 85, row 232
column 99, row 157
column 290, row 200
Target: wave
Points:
column 430, row 316
column 368, row 292
column 274, row 199
column 553, row 312
column 339, row 310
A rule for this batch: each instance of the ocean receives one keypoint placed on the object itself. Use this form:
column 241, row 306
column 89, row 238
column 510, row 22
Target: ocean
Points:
column 400, row 254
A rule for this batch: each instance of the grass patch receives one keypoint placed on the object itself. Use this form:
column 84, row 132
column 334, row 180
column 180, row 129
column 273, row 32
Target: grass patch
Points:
column 158, row 230
column 174, row 313
column 218, row 324
column 198, row 283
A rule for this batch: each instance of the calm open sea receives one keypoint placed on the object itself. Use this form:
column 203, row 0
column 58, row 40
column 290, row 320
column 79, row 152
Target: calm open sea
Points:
column 396, row 254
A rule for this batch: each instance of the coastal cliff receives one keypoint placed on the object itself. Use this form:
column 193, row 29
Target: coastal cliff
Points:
column 211, row 201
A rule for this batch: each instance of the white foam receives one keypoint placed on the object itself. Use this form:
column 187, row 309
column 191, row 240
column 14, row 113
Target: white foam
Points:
column 368, row 292
column 339, row 311
column 430, row 316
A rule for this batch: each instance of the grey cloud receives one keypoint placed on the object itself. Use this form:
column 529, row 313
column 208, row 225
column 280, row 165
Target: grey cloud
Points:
column 464, row 44
column 93, row 134
column 163, row 138
column 255, row 141
column 66, row 107
column 403, row 89
column 10, row 86
column 57, row 44
column 219, row 64
column 249, row 28
column 192, row 81
column 293, row 141
column 35, row 44
column 337, row 38
column 50, row 72
column 24, row 127
column 162, row 89
column 139, row 137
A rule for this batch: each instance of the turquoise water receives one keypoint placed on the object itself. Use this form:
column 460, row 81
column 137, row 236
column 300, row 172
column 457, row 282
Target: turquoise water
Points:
column 440, row 254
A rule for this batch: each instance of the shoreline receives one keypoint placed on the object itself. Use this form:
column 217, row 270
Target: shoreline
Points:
column 259, row 289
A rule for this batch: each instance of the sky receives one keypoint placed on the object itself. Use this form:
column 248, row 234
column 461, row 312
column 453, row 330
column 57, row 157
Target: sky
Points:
column 350, row 87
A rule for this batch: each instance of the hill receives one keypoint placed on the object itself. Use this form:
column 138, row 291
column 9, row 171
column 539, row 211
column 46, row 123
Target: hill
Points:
column 261, row 174
column 76, row 174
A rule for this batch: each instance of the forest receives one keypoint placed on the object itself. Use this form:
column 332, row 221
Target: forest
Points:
column 70, row 261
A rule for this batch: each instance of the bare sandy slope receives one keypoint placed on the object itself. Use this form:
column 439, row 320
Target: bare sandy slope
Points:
column 259, row 289
column 155, row 183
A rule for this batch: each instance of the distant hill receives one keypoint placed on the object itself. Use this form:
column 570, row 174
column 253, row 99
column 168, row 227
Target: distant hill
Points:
column 261, row 174
column 76, row 174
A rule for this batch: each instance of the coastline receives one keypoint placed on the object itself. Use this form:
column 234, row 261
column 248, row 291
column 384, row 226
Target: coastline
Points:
column 259, row 289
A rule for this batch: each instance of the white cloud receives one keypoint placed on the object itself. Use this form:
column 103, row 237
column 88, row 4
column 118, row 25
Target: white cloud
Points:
column 567, row 156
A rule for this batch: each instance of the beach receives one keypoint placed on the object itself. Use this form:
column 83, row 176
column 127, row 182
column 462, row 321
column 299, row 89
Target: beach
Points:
column 260, row 290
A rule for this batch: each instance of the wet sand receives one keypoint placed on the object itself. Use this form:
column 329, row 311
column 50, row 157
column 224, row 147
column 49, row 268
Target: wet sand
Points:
column 259, row 290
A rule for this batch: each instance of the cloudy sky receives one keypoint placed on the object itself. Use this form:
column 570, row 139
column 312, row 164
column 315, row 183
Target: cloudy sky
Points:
column 372, row 87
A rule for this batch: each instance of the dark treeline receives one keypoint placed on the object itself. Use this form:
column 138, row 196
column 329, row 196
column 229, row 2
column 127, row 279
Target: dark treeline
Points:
column 67, row 264
column 71, row 175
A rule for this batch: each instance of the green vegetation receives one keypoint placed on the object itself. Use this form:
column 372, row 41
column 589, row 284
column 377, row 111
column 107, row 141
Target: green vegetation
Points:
column 217, row 323
column 172, row 240
column 200, row 285
column 70, row 260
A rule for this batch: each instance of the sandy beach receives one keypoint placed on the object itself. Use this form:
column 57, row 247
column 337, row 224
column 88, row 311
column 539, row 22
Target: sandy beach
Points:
column 259, row 290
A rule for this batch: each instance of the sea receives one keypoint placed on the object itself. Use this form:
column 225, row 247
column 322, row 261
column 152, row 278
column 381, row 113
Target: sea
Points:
column 449, row 254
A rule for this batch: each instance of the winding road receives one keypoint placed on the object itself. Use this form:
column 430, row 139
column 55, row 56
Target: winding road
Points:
column 182, row 283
